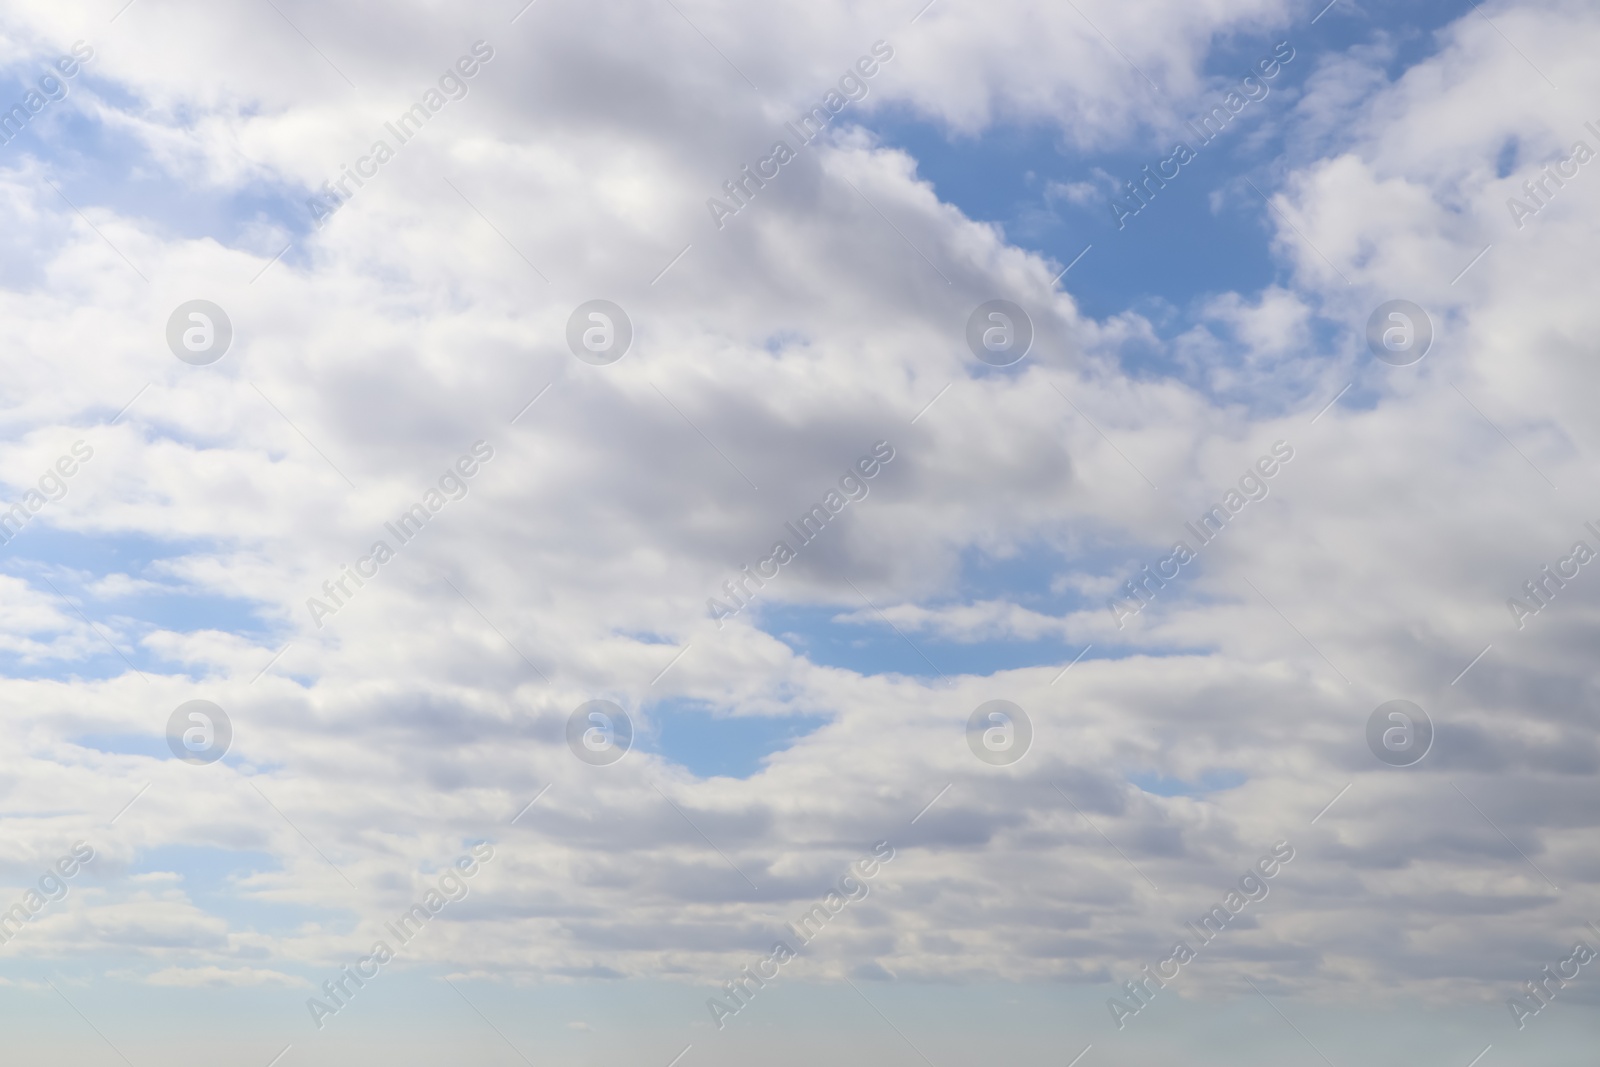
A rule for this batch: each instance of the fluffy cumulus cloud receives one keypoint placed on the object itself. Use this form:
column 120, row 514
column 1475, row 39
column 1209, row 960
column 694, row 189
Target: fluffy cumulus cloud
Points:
column 1197, row 542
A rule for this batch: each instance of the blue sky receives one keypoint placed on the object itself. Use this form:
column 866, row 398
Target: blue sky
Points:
column 1165, row 750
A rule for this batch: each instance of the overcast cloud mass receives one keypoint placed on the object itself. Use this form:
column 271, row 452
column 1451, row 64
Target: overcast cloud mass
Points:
column 867, row 534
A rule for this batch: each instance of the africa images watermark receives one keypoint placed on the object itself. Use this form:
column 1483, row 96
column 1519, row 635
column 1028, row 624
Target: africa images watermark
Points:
column 452, row 486
column 741, row 189
column 1251, row 88
column 1538, row 190
column 1541, row 589
column 1252, row 487
column 52, row 485
column 52, row 887
column 51, row 89
column 451, row 888
column 452, row 86
column 1539, row 994
column 853, row 485
column 1252, row 888
column 851, row 887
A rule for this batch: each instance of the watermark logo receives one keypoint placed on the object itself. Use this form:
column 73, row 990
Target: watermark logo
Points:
column 450, row 888
column 453, row 85
column 199, row 332
column 1254, row 86
column 599, row 732
column 999, row 733
column 52, row 887
column 1399, row 333
column 1399, row 733
column 851, row 887
column 199, row 732
column 1138, row 593
column 1538, row 189
column 453, row 485
column 1539, row 992
column 599, row 332
column 1252, row 888
column 50, row 89
column 742, row 188
column 999, row 333
column 1542, row 588
column 52, row 485
column 852, row 487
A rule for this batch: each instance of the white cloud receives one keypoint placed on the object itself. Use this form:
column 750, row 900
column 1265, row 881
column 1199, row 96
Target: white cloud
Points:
column 777, row 350
column 191, row 977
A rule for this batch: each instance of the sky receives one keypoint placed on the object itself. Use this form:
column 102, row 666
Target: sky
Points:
column 673, row 533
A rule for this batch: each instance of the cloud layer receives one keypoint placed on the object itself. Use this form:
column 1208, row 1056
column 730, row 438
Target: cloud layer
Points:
column 427, row 320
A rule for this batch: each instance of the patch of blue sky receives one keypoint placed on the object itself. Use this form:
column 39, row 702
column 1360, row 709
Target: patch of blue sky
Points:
column 1212, row 781
column 1506, row 162
column 151, row 744
column 1053, row 197
column 1406, row 30
column 869, row 647
column 1030, row 575
column 76, row 562
column 99, row 664
column 78, row 565
column 213, row 879
column 646, row 637
column 1176, row 252
column 710, row 743
column 854, row 637
column 1206, row 231
column 96, row 164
